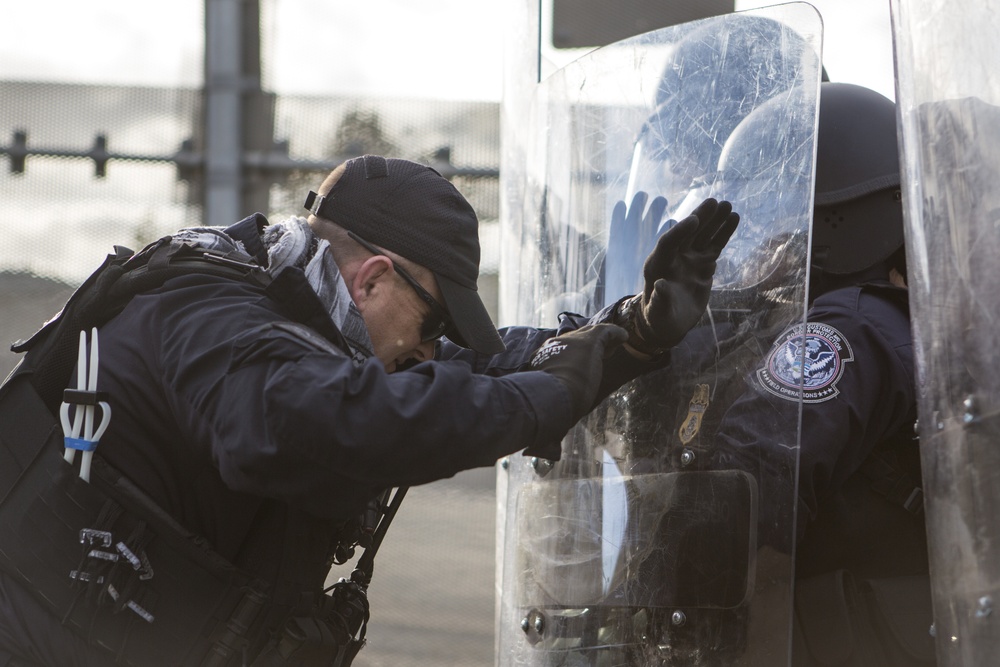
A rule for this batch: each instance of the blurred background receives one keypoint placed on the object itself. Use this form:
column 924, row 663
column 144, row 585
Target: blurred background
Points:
column 121, row 122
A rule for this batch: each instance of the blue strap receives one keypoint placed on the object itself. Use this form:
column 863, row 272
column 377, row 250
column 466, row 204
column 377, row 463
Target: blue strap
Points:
column 80, row 444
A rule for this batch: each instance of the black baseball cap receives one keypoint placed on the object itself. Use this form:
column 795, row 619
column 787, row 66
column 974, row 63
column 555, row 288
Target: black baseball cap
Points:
column 412, row 210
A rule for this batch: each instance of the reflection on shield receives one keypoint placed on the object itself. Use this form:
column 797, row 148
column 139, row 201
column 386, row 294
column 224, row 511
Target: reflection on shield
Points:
column 656, row 540
column 662, row 537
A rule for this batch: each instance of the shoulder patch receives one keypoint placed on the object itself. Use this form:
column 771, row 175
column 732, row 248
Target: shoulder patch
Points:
column 811, row 361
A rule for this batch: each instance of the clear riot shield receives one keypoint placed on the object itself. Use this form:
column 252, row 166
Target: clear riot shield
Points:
column 664, row 534
column 948, row 95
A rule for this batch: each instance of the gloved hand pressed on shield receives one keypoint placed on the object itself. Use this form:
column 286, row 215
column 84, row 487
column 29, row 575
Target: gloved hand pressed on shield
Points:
column 577, row 359
column 678, row 279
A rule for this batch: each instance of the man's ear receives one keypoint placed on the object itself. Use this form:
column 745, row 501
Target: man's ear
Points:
column 372, row 276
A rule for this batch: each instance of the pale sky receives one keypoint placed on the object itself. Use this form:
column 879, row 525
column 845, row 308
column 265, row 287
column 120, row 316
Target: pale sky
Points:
column 445, row 49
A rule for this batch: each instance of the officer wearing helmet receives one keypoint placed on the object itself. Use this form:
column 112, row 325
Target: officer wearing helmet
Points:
column 860, row 554
column 862, row 593
column 863, row 553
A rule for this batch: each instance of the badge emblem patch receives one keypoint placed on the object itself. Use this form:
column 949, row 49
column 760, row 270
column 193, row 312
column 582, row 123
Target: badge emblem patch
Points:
column 811, row 362
column 696, row 410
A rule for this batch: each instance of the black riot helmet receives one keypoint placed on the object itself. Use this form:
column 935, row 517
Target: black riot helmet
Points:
column 858, row 215
column 712, row 79
column 857, row 212
column 765, row 169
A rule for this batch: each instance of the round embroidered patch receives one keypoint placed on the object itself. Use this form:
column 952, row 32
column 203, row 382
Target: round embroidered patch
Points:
column 812, row 363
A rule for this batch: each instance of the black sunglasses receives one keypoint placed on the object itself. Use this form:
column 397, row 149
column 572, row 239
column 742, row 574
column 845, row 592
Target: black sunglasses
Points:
column 437, row 322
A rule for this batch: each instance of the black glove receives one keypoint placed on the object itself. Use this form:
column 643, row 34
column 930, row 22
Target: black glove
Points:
column 678, row 278
column 576, row 358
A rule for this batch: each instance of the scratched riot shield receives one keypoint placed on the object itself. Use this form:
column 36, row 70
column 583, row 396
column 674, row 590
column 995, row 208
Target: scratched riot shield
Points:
column 948, row 95
column 664, row 533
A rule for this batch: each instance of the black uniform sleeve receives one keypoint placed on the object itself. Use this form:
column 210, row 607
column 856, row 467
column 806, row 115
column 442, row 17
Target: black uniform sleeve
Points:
column 287, row 418
column 859, row 391
column 521, row 342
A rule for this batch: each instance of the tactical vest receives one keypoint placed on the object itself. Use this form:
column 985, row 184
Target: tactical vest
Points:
column 120, row 571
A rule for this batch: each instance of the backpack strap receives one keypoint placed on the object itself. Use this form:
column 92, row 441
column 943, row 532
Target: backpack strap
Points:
column 106, row 293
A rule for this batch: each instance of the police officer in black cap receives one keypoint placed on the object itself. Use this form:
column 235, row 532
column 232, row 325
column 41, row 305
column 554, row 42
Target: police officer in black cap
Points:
column 258, row 389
